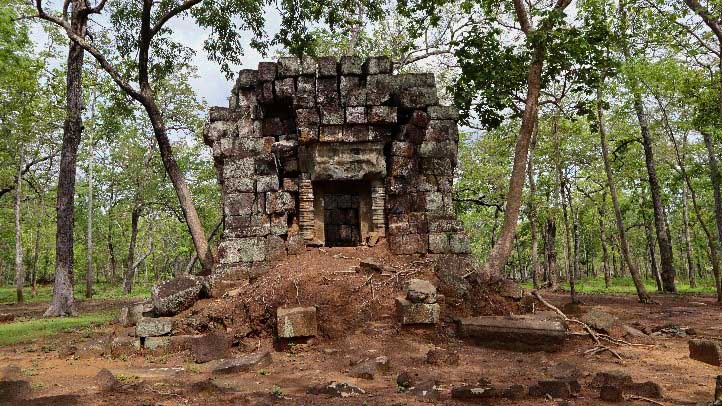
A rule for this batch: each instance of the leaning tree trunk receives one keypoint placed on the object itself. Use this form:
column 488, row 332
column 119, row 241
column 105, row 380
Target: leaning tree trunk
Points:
column 623, row 244
column 63, row 303
column 89, row 273
column 19, row 265
column 130, row 263
column 502, row 249
column 652, row 254
column 550, row 251
column 181, row 187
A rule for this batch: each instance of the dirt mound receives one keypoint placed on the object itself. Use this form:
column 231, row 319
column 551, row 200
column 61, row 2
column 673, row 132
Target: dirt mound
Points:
column 346, row 295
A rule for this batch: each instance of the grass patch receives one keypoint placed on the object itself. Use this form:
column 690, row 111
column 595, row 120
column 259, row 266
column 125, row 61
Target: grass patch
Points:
column 29, row 330
column 625, row 285
column 102, row 291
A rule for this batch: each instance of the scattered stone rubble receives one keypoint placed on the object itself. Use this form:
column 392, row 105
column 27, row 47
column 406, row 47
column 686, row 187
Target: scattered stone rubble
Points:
column 419, row 306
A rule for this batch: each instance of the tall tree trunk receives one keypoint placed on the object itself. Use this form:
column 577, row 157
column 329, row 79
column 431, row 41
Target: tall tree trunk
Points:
column 715, row 178
column 19, row 265
column 63, row 303
column 652, row 254
column 502, row 249
column 605, row 250
column 561, row 180
column 550, row 251
column 130, row 262
column 36, row 250
column 532, row 214
column 688, row 240
column 179, row 184
column 623, row 245
column 89, row 275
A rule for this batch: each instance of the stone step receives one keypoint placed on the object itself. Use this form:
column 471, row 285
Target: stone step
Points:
column 515, row 332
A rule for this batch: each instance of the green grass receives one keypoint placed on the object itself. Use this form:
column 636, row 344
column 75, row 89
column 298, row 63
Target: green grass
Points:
column 102, row 291
column 625, row 285
column 29, row 330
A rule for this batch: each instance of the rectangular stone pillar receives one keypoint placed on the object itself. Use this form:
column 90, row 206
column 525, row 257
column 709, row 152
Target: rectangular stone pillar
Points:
column 378, row 202
column 306, row 210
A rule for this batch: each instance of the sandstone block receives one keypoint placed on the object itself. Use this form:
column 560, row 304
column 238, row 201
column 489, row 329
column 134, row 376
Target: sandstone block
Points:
column 173, row 296
column 327, row 92
column 443, row 113
column 602, row 321
column 266, row 183
column 418, row 97
column 382, row 115
column 439, row 243
column 296, row 322
column 307, row 134
column 154, row 327
column 244, row 363
column 289, row 66
column 417, row 313
column 420, row 291
column 210, row 347
column 459, row 243
column 242, row 250
column 351, row 65
column 707, row 351
column 275, row 248
column 356, row 115
column 305, row 96
column 247, row 78
column 327, row 66
column 514, row 332
column 335, row 389
column 332, row 115
column 285, row 88
column 376, row 65
column 308, row 66
column 267, row 71
column 279, row 202
column 351, row 91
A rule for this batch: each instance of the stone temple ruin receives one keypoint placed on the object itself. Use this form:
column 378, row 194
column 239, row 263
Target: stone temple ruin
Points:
column 334, row 153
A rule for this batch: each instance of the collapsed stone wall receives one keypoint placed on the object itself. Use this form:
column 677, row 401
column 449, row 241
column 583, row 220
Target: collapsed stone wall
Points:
column 295, row 125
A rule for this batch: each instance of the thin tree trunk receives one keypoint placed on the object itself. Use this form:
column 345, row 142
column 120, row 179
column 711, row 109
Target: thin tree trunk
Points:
column 36, row 250
column 19, row 265
column 63, row 303
column 89, row 273
column 688, row 240
column 715, row 178
column 550, row 251
column 652, row 254
column 561, row 179
column 624, row 246
column 605, row 250
column 130, row 264
column 532, row 213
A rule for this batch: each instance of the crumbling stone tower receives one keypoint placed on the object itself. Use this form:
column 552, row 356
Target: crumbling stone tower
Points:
column 336, row 153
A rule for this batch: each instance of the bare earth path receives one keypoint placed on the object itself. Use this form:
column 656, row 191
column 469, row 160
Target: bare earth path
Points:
column 173, row 380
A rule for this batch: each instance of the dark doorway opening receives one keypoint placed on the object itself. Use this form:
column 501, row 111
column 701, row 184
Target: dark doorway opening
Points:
column 342, row 225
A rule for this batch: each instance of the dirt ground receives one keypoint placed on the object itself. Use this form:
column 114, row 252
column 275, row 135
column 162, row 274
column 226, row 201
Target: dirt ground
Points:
column 356, row 320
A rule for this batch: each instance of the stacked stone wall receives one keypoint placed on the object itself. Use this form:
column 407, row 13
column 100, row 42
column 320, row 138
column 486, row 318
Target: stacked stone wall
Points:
column 298, row 121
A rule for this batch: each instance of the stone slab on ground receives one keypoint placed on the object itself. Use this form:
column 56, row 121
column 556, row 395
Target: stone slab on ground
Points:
column 420, row 291
column 244, row 363
column 210, row 347
column 610, row 378
column 335, row 389
column 417, row 313
column 296, row 322
column 514, row 332
column 707, row 351
column 154, row 327
column 602, row 322
column 14, row 391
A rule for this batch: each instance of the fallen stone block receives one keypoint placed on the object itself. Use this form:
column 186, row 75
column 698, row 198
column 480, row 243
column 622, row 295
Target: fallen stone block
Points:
column 94, row 347
column 124, row 346
column 173, row 296
column 373, row 265
column 557, row 389
column 154, row 327
column 106, row 381
column 610, row 378
column 515, row 332
column 244, row 363
column 439, row 356
column 602, row 322
column 368, row 369
column 515, row 392
column 474, row 392
column 297, row 322
column 611, row 393
column 417, row 313
column 335, row 389
column 156, row 343
column 707, row 351
column 13, row 392
column 210, row 347
column 647, row 389
column 420, row 291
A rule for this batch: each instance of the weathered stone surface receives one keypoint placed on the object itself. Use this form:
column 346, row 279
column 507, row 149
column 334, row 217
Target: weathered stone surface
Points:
column 210, row 347
column 351, row 91
column 173, row 296
column 242, row 250
column 443, row 113
column 515, row 392
column 327, row 66
column 288, row 66
column 351, row 65
column 377, row 65
column 382, row 115
column 308, row 66
column 106, row 381
column 439, row 356
column 335, row 389
column 418, row 97
column 247, row 78
column 154, row 327
column 14, row 392
column 296, row 322
column 602, row 321
column 610, row 378
column 347, row 162
column 417, row 313
column 373, row 265
column 514, row 332
column 356, row 115
column 245, row 363
column 267, row 71
column 474, row 392
column 611, row 393
column 124, row 346
column 11, row 373
column 420, row 291
column 707, row 351
column 368, row 369
column 647, row 389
